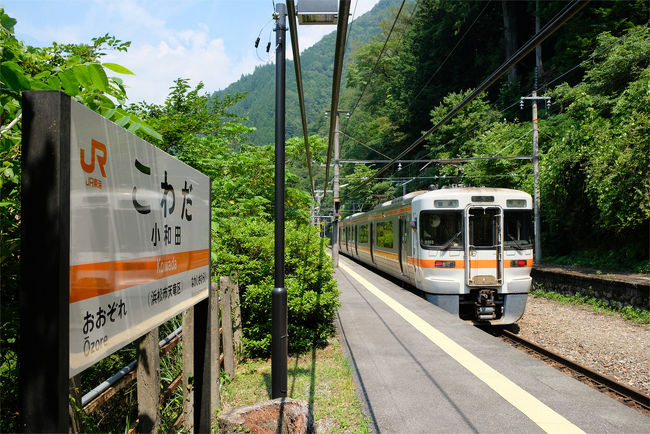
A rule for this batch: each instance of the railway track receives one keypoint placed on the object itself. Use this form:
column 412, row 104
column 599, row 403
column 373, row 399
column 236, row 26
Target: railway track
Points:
column 627, row 395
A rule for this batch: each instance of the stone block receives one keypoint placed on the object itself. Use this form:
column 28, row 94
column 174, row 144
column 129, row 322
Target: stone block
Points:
column 281, row 415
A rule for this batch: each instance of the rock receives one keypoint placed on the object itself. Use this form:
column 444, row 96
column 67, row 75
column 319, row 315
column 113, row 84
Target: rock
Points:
column 281, row 415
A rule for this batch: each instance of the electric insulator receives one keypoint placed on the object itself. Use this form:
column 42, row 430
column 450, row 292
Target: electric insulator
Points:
column 257, row 42
column 268, row 47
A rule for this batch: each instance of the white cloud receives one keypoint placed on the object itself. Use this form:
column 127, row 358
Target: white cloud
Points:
column 169, row 39
column 193, row 55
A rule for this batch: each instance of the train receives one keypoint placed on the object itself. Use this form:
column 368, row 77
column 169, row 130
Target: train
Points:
column 468, row 249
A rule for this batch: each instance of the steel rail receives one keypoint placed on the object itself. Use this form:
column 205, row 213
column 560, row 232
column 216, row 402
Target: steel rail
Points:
column 291, row 12
column 569, row 11
column 630, row 396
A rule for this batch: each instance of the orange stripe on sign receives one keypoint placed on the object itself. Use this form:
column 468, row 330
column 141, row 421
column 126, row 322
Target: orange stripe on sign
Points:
column 92, row 280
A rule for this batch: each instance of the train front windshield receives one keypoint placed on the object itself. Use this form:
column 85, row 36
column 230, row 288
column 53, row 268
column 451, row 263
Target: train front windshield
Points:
column 441, row 229
column 518, row 232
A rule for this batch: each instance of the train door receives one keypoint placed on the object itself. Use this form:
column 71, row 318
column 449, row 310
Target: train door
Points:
column 403, row 252
column 484, row 247
column 356, row 240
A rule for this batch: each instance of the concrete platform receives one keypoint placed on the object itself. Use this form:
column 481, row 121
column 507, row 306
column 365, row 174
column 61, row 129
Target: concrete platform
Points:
column 419, row 369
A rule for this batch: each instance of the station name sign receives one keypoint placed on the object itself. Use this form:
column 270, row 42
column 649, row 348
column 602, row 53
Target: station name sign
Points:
column 139, row 237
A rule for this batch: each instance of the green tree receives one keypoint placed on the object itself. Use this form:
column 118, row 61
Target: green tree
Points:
column 76, row 70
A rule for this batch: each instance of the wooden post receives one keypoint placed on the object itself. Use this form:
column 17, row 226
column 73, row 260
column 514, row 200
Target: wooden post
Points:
column 215, row 367
column 75, row 405
column 236, row 322
column 148, row 382
column 44, row 344
column 226, row 324
column 188, row 367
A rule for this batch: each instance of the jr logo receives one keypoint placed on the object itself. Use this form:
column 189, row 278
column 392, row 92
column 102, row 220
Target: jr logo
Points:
column 90, row 167
column 97, row 152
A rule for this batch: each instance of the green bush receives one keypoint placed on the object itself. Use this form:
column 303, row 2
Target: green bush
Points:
column 312, row 294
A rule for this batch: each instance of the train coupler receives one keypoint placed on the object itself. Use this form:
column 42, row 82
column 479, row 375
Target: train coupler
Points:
column 485, row 308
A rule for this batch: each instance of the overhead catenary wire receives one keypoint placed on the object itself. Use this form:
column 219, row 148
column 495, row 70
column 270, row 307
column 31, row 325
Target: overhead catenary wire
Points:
column 291, row 9
column 339, row 51
column 569, row 11
column 516, row 102
column 445, row 160
column 374, row 68
column 450, row 53
column 347, row 38
column 363, row 144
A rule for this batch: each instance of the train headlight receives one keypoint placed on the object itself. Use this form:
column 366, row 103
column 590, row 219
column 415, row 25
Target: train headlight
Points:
column 518, row 263
column 445, row 264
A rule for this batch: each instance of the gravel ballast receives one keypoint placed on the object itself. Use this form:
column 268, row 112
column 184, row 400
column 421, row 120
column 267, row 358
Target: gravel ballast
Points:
column 603, row 342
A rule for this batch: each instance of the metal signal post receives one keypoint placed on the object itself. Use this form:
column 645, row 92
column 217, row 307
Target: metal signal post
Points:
column 279, row 337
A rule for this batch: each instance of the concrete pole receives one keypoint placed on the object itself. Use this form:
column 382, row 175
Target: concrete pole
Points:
column 538, row 49
column 536, row 198
column 337, row 200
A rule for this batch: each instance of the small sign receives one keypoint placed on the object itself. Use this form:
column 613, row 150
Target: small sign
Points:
column 139, row 237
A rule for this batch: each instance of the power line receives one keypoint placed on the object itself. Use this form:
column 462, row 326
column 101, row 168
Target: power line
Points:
column 516, row 102
column 301, row 95
column 354, row 12
column 444, row 160
column 450, row 53
column 378, row 57
column 339, row 52
column 364, row 145
column 570, row 10
column 506, row 175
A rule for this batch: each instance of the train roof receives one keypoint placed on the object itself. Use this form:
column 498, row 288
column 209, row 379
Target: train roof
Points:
column 461, row 193
column 454, row 192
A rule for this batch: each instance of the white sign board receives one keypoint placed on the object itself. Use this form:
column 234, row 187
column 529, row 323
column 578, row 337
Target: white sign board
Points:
column 139, row 237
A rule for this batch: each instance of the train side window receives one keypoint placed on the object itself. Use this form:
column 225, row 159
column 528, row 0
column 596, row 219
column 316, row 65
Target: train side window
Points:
column 441, row 230
column 385, row 234
column 518, row 231
column 363, row 234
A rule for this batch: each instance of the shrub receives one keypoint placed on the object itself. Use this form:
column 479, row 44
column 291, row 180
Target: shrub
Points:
column 312, row 294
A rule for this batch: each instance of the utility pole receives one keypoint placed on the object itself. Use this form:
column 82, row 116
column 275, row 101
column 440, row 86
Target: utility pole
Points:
column 536, row 194
column 337, row 199
column 336, row 187
column 279, row 336
column 538, row 49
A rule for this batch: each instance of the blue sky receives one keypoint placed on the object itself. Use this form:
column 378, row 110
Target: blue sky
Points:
column 203, row 40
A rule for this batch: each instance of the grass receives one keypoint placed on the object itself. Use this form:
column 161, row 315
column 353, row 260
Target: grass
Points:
column 322, row 378
column 618, row 260
column 633, row 314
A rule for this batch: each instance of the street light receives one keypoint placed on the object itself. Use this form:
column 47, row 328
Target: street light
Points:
column 313, row 12
column 317, row 12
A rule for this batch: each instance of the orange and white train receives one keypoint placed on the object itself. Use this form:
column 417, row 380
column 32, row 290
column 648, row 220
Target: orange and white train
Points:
column 470, row 250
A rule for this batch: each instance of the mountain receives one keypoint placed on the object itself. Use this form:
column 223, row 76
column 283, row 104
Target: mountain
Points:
column 317, row 64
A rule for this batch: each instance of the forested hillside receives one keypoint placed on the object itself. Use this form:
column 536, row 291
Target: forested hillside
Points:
column 594, row 139
column 317, row 63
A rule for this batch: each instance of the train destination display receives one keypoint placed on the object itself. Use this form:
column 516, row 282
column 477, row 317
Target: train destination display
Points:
column 139, row 237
